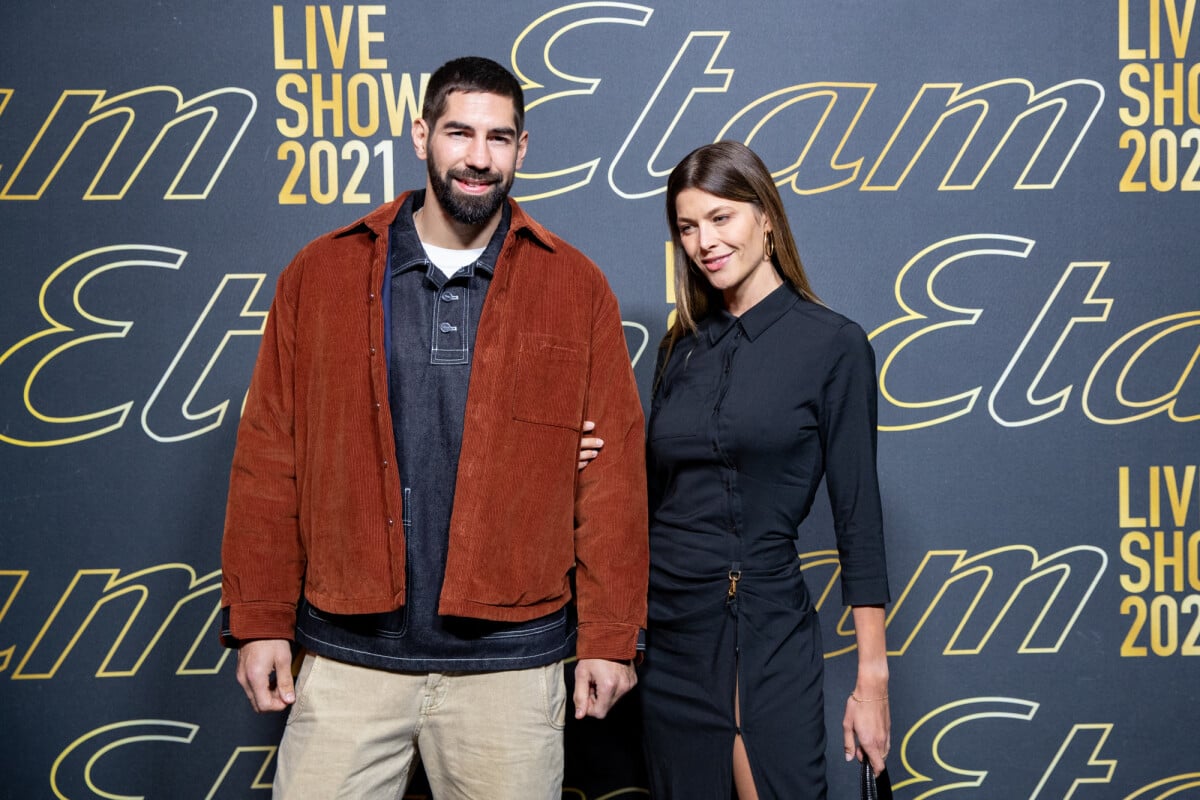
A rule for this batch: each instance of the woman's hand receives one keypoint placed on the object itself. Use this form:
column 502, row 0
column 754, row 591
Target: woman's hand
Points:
column 867, row 728
column 589, row 446
column 867, row 725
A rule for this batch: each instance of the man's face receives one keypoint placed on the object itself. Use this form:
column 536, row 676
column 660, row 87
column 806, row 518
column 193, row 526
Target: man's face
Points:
column 472, row 154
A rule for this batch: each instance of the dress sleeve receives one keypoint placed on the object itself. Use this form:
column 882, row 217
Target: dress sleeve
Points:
column 654, row 487
column 848, row 440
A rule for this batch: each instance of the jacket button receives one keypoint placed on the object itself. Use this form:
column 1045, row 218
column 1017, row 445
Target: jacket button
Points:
column 372, row 351
column 385, row 463
column 390, row 521
column 370, row 297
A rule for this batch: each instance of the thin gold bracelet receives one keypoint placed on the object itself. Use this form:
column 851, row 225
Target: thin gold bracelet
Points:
column 872, row 700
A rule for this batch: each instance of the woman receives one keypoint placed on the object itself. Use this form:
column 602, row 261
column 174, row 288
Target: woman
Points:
column 759, row 391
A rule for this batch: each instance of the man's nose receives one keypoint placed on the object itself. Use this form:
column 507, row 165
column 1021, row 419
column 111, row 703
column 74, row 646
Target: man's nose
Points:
column 479, row 157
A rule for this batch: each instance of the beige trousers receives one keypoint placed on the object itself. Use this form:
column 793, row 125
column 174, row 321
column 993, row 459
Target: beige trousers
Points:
column 356, row 732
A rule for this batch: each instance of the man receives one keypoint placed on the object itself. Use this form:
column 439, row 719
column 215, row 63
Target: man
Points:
column 403, row 502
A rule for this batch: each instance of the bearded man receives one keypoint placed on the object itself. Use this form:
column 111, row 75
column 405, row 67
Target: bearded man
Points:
column 404, row 508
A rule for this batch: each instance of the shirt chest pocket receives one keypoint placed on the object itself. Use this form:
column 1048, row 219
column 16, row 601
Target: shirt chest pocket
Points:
column 684, row 408
column 551, row 380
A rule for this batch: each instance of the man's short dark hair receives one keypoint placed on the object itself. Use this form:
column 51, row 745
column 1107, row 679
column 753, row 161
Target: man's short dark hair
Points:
column 471, row 74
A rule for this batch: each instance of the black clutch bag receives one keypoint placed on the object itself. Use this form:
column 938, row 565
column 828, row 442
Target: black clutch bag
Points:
column 874, row 787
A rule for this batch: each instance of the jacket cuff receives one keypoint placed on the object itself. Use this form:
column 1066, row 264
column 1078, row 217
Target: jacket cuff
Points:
column 608, row 640
column 244, row 622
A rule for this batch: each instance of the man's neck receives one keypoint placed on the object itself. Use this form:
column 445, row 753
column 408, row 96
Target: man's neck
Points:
column 436, row 227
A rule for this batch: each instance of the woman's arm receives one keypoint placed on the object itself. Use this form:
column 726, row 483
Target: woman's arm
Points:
column 867, row 725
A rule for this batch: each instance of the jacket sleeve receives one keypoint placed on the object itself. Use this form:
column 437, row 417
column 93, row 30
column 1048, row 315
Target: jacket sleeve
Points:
column 611, row 541
column 262, row 558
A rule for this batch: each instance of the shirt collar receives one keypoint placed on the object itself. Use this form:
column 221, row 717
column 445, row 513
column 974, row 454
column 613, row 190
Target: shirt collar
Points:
column 763, row 315
column 408, row 253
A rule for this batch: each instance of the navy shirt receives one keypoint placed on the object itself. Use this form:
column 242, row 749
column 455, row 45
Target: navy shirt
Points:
column 432, row 324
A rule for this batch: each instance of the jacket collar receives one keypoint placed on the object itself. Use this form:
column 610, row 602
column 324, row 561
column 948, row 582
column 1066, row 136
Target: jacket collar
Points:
column 378, row 221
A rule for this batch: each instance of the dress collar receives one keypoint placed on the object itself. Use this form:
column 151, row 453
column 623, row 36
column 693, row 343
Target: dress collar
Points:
column 762, row 315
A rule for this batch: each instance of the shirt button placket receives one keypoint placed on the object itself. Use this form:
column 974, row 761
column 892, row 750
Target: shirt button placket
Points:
column 448, row 344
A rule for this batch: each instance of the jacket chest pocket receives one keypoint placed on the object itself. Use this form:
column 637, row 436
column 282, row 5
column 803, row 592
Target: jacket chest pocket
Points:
column 551, row 380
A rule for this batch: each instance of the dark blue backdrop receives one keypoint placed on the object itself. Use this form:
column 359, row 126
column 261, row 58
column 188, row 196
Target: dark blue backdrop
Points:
column 1002, row 192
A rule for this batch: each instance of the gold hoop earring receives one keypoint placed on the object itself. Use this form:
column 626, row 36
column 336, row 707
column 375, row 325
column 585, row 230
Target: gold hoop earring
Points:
column 768, row 244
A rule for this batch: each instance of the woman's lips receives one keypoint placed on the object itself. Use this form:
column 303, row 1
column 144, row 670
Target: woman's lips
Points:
column 715, row 263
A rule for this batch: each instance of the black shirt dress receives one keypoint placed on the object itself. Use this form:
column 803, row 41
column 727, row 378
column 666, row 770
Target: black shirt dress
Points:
column 748, row 415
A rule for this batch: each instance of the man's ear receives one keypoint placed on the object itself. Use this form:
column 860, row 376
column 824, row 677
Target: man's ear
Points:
column 522, row 144
column 420, row 137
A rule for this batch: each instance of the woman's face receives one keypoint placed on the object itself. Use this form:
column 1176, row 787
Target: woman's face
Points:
column 725, row 240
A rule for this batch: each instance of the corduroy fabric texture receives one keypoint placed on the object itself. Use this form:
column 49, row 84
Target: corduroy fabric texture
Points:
column 315, row 502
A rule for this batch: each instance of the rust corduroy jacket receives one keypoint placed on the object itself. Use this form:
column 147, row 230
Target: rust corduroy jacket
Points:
column 314, row 495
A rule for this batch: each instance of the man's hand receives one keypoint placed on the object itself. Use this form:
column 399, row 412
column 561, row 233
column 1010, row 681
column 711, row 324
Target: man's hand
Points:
column 599, row 683
column 265, row 672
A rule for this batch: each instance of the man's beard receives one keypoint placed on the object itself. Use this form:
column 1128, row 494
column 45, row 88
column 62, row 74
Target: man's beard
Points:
column 465, row 208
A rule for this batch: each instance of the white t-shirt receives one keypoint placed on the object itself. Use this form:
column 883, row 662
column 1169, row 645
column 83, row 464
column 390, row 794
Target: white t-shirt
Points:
column 451, row 261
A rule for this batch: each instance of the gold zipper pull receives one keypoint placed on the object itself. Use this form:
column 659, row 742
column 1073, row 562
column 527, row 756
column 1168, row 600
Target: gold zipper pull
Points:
column 735, row 575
